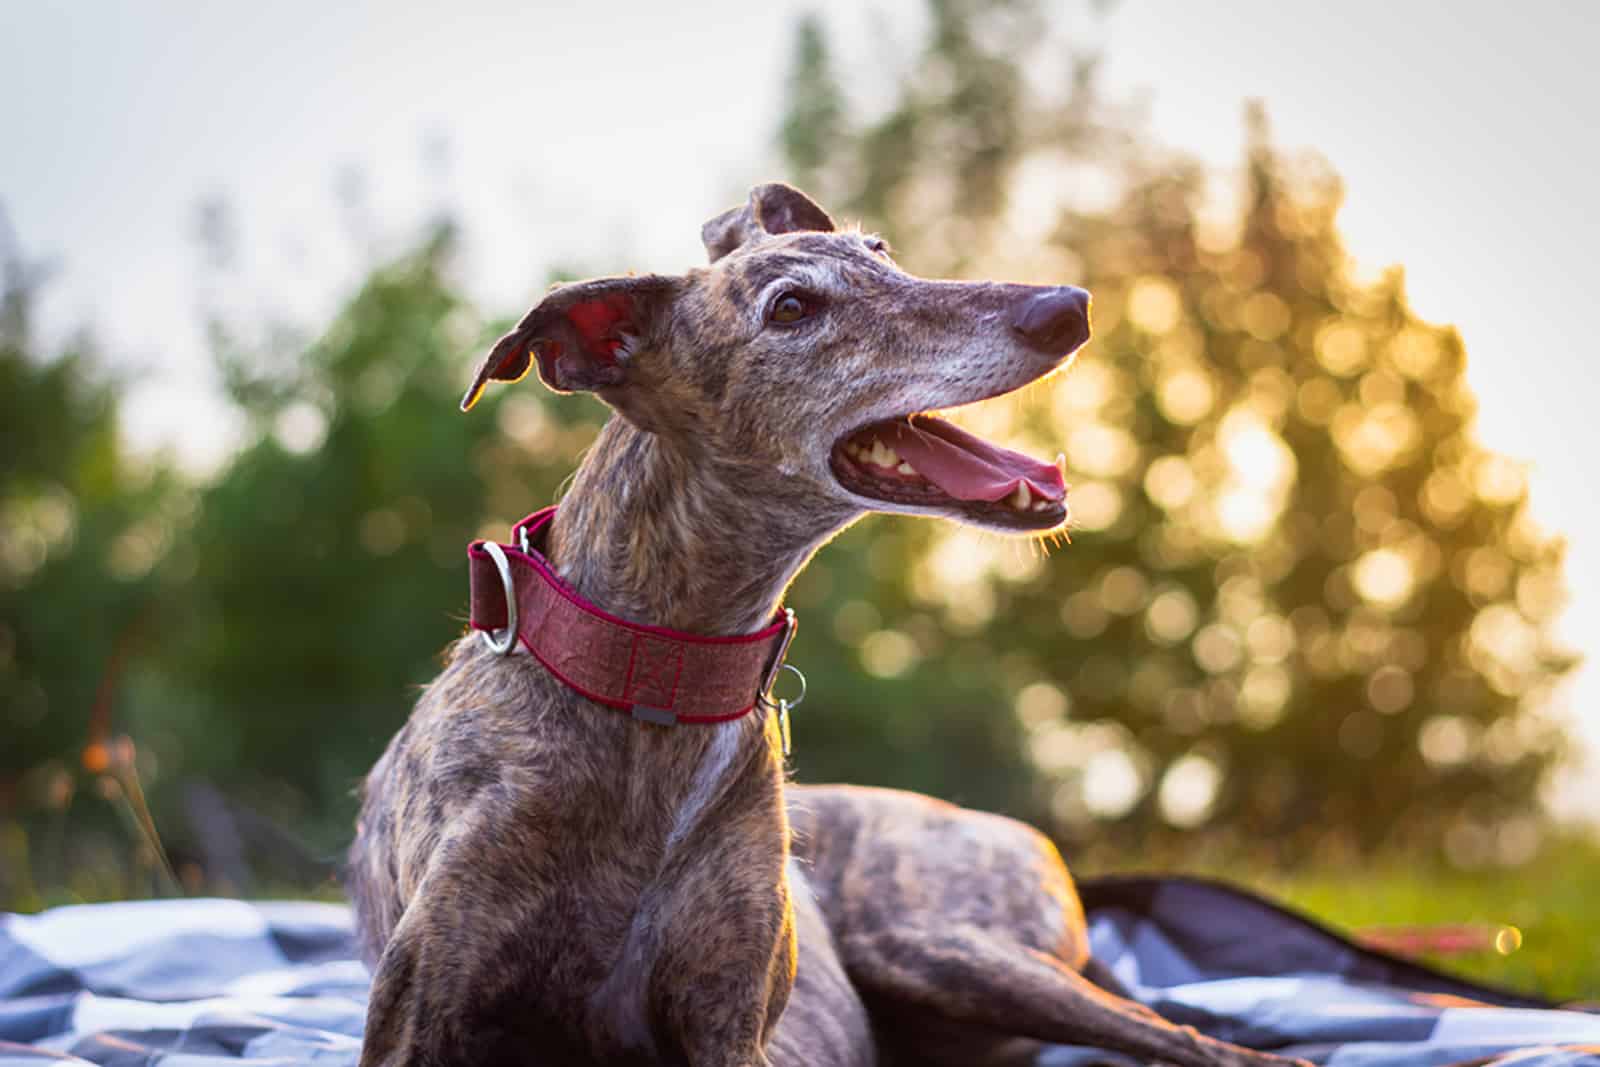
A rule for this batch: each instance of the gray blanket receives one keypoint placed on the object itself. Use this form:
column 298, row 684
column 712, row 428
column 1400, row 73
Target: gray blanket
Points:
column 225, row 983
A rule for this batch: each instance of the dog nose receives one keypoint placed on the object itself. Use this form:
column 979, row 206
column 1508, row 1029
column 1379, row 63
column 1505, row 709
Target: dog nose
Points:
column 1055, row 321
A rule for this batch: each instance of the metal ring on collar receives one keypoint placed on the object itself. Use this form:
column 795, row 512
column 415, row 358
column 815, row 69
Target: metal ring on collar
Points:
column 801, row 697
column 768, row 701
column 501, row 642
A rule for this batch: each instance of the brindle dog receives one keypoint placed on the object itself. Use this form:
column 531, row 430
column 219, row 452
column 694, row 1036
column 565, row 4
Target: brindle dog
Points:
column 541, row 880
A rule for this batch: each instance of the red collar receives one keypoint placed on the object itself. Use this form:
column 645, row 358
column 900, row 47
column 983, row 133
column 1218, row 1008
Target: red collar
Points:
column 658, row 675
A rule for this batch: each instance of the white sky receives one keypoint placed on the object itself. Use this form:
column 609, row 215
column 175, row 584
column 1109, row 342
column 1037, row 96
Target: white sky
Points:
column 602, row 134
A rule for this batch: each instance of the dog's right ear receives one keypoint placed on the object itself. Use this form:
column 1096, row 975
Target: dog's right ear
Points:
column 582, row 335
column 773, row 208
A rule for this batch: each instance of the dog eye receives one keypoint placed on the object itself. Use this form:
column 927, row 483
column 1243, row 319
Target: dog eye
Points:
column 789, row 307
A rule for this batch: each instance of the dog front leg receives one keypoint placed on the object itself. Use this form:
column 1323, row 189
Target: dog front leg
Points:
column 455, row 985
column 715, row 995
column 803, row 1013
column 395, row 1034
column 824, row 1022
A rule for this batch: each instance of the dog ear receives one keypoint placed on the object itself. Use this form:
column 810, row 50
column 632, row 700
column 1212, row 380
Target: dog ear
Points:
column 773, row 208
column 581, row 335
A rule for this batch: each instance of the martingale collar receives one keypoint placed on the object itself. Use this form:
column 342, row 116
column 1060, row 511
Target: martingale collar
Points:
column 657, row 675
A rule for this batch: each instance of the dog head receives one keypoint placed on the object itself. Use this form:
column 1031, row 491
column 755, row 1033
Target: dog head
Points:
column 805, row 356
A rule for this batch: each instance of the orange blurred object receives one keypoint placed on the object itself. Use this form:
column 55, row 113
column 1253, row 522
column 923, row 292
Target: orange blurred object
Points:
column 96, row 758
column 1450, row 939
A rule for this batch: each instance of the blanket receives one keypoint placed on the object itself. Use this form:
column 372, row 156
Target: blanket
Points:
column 226, row 983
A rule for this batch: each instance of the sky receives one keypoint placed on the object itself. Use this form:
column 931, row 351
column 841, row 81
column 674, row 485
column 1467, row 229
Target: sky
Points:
column 1468, row 135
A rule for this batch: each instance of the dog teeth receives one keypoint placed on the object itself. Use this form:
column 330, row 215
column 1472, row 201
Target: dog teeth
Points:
column 1020, row 498
column 1041, row 505
column 883, row 455
column 879, row 455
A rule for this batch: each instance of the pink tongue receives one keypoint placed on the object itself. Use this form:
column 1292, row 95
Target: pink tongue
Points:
column 967, row 467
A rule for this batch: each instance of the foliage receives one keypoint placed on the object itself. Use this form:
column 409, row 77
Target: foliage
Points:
column 82, row 526
column 1302, row 603
column 301, row 594
column 329, row 558
column 1552, row 926
column 811, row 131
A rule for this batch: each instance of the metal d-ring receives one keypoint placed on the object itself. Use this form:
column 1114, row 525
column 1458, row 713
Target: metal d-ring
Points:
column 790, row 624
column 501, row 642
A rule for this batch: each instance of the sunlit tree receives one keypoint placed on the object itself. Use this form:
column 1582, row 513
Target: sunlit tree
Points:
column 1302, row 604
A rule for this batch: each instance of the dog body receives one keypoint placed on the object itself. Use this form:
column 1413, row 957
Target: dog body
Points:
column 542, row 880
column 568, row 886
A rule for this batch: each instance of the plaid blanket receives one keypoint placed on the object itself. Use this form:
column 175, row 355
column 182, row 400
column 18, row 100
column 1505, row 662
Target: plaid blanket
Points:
column 224, row 983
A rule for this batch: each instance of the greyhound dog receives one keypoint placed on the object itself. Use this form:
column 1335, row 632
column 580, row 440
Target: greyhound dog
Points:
column 543, row 879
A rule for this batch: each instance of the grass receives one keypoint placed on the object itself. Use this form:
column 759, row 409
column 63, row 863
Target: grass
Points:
column 1559, row 953
column 1551, row 902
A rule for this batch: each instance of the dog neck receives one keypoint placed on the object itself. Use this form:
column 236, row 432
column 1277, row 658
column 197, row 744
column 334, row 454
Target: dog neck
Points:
column 667, row 539
column 662, row 537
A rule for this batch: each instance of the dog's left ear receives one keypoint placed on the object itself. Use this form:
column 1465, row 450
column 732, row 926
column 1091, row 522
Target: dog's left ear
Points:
column 773, row 208
column 581, row 335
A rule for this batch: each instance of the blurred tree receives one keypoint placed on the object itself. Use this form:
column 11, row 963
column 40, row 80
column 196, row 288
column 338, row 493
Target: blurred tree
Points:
column 955, row 132
column 258, row 635
column 83, row 528
column 812, row 130
column 1306, row 606
column 329, row 556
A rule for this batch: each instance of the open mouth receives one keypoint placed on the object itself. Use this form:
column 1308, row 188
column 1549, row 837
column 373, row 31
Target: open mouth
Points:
column 925, row 462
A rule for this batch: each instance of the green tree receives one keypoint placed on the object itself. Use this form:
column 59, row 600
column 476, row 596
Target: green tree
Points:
column 84, row 527
column 812, row 130
column 1303, row 605
column 329, row 556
